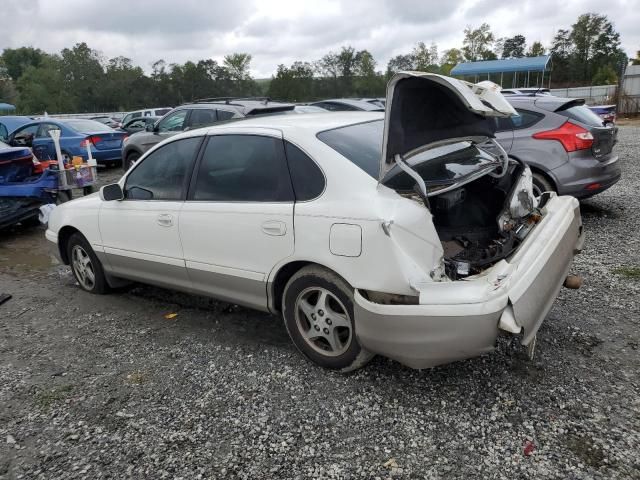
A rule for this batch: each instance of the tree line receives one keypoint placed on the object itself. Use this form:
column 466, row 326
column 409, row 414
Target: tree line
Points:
column 79, row 79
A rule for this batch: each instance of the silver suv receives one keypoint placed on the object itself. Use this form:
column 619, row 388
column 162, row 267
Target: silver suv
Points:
column 195, row 115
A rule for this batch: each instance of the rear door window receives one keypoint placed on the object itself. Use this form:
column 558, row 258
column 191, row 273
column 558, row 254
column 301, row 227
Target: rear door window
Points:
column 45, row 128
column 525, row 119
column 225, row 115
column 243, row 168
column 201, row 117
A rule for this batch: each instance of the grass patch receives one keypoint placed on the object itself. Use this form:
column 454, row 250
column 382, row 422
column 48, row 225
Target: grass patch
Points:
column 45, row 398
column 629, row 272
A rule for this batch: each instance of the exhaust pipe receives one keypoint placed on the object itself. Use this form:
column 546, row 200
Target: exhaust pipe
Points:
column 573, row 282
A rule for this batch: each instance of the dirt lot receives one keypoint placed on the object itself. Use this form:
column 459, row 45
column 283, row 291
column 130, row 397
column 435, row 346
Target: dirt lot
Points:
column 106, row 387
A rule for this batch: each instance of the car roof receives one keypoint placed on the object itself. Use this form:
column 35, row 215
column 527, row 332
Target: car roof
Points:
column 245, row 106
column 544, row 102
column 311, row 122
column 364, row 103
column 147, row 109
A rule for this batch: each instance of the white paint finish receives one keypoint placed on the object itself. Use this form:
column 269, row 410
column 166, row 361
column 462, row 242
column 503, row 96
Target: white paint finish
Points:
column 345, row 240
column 229, row 238
column 233, row 249
column 80, row 213
column 144, row 230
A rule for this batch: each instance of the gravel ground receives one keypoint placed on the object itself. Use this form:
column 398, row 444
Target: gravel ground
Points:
column 106, row 387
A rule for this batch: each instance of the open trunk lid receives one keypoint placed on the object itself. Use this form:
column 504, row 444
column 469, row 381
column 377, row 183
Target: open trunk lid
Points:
column 426, row 110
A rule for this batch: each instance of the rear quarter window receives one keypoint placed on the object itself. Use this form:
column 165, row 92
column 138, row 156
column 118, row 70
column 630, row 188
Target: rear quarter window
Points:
column 360, row 143
column 307, row 178
column 582, row 114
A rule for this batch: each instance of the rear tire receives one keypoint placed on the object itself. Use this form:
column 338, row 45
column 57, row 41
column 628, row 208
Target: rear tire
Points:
column 317, row 307
column 85, row 265
column 541, row 184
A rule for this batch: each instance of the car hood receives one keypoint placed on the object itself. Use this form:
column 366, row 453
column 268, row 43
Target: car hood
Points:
column 426, row 110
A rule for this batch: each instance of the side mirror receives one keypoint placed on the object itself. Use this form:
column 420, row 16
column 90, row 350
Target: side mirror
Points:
column 111, row 192
column 149, row 127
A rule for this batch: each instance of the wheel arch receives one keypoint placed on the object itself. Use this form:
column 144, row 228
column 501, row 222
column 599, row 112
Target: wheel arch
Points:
column 275, row 287
column 63, row 238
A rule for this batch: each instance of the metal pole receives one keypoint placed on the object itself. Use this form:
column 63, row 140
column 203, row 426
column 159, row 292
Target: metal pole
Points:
column 501, row 73
column 527, row 78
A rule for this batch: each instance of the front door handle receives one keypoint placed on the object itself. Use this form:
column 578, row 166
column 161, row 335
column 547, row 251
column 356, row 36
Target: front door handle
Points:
column 274, row 227
column 165, row 220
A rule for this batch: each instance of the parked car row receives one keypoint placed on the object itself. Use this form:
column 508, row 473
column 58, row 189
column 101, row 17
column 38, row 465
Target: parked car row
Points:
column 76, row 133
column 368, row 232
column 567, row 146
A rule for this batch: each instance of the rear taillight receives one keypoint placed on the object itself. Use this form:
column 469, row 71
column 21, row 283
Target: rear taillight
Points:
column 572, row 137
column 94, row 139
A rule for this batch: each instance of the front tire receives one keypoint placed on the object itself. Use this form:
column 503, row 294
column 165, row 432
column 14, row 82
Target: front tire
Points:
column 318, row 314
column 130, row 160
column 85, row 265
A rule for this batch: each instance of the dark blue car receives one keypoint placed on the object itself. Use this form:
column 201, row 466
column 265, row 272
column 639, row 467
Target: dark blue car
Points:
column 10, row 123
column 105, row 143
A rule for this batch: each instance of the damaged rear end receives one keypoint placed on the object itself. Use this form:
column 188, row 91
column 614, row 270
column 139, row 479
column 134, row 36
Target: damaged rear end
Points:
column 505, row 253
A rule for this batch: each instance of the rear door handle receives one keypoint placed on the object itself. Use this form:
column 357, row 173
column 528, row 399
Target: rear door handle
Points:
column 165, row 220
column 274, row 227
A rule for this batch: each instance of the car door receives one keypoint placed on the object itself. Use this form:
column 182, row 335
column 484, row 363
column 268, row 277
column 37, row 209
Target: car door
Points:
column 140, row 233
column 43, row 147
column 237, row 222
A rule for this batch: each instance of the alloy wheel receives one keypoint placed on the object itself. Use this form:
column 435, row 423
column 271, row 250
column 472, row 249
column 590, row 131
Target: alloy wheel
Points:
column 81, row 263
column 323, row 321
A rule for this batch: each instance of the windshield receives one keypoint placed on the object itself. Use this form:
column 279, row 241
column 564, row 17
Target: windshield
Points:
column 86, row 126
column 362, row 144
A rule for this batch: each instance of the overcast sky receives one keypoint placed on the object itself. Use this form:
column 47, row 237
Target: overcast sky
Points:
column 282, row 31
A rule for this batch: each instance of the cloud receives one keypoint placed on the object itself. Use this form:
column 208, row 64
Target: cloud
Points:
column 282, row 31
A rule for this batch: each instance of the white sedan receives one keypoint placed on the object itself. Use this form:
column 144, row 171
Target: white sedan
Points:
column 408, row 234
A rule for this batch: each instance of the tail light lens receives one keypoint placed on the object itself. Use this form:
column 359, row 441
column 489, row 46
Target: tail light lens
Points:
column 572, row 137
column 94, row 139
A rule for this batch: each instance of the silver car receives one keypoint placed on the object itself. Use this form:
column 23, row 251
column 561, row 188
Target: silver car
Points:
column 566, row 145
